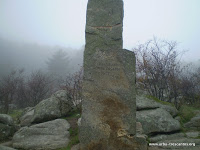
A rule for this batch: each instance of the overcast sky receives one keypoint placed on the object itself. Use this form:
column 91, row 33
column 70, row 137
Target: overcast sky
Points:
column 62, row 22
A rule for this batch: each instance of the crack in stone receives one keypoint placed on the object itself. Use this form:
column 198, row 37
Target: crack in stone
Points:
column 102, row 27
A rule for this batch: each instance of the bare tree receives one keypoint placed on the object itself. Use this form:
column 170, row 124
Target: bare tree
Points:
column 190, row 85
column 34, row 89
column 73, row 84
column 38, row 87
column 158, row 68
column 8, row 87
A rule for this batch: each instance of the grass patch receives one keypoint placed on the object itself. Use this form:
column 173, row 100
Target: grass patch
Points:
column 73, row 139
column 16, row 114
column 187, row 113
column 73, row 131
column 159, row 101
column 72, row 114
column 72, row 118
column 197, row 137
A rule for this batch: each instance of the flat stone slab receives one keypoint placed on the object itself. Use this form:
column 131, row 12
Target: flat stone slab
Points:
column 193, row 134
column 181, row 140
column 162, row 137
column 49, row 135
column 6, row 148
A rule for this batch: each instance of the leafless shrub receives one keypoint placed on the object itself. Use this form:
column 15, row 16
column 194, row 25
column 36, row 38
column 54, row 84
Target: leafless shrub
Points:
column 159, row 69
column 73, row 84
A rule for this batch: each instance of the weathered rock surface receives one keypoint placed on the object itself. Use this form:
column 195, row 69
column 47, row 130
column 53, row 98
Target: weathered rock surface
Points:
column 139, row 129
column 79, row 122
column 108, row 108
column 6, row 119
column 172, row 110
column 175, row 148
column 193, row 134
column 162, row 137
column 7, row 144
column 46, row 110
column 58, row 105
column 178, row 118
column 6, row 148
column 44, row 136
column 76, row 147
column 7, row 127
column 143, row 103
column 194, row 123
column 181, row 140
column 156, row 121
column 27, row 117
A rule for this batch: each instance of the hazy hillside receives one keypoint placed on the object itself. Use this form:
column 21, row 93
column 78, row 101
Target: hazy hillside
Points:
column 32, row 56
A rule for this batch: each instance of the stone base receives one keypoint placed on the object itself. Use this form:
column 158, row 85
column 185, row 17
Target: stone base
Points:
column 134, row 143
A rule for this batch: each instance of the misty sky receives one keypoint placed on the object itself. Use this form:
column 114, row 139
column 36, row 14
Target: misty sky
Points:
column 62, row 22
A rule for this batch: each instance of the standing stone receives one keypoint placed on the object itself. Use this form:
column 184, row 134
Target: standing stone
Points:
column 108, row 109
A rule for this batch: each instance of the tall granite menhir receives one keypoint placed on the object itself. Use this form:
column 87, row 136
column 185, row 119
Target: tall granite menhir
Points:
column 108, row 108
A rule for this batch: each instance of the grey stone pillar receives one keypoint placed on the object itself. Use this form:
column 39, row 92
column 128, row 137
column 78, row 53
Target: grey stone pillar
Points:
column 109, row 106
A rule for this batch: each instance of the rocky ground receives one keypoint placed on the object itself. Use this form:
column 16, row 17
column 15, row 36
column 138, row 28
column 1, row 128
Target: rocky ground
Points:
column 53, row 125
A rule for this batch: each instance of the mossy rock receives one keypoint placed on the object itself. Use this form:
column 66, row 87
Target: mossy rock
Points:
column 159, row 101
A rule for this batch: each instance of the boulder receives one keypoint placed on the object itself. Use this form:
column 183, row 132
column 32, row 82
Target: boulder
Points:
column 172, row 110
column 27, row 117
column 143, row 103
column 6, row 119
column 44, row 136
column 157, row 121
column 7, row 128
column 58, row 105
column 65, row 100
column 193, row 134
column 194, row 123
column 46, row 110
column 6, row 131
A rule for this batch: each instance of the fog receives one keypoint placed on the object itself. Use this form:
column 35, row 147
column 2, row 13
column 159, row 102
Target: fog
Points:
column 32, row 57
column 32, row 31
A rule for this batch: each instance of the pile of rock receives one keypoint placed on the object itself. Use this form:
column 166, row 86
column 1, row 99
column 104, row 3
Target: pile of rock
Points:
column 155, row 117
column 41, row 128
column 57, row 106
column 161, row 124
column 194, row 123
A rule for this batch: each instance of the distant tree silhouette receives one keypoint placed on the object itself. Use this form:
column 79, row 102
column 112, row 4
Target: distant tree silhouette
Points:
column 58, row 65
column 37, row 87
column 8, row 88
